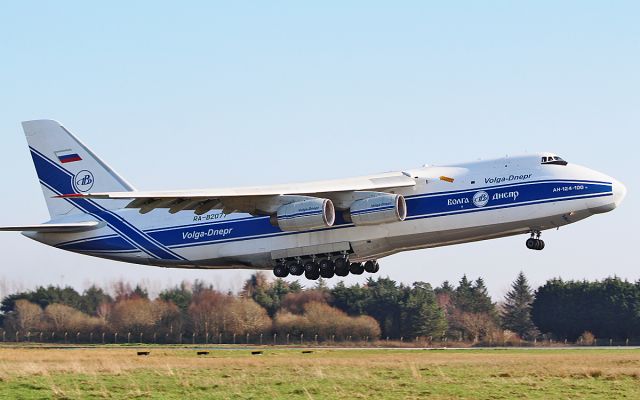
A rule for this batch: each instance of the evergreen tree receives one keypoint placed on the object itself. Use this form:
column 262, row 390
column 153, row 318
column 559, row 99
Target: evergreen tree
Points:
column 463, row 296
column 481, row 301
column 180, row 296
column 516, row 315
column 350, row 299
column 140, row 292
column 423, row 316
column 92, row 298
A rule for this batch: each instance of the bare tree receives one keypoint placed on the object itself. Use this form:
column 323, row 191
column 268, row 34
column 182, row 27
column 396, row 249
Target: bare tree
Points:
column 27, row 316
column 247, row 316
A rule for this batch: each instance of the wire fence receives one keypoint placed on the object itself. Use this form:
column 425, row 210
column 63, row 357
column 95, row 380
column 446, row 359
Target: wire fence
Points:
column 283, row 339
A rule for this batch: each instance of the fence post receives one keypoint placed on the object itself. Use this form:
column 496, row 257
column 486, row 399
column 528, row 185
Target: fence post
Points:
column 206, row 338
column 219, row 337
column 287, row 339
column 234, row 338
column 193, row 338
column 180, row 336
column 154, row 337
column 115, row 338
column 128, row 337
column 261, row 339
column 301, row 338
column 275, row 335
column 103, row 337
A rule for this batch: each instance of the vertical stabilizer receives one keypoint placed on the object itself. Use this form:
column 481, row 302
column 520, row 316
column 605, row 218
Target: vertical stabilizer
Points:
column 65, row 165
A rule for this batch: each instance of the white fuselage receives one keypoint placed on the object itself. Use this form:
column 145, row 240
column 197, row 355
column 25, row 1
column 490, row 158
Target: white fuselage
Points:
column 448, row 205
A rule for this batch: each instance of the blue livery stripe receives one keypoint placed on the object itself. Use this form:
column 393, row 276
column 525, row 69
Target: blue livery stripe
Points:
column 60, row 181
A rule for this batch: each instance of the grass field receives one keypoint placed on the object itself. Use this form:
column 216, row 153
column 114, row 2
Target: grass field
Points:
column 177, row 373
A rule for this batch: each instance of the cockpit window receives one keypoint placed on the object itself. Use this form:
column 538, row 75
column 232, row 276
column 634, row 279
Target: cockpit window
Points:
column 553, row 160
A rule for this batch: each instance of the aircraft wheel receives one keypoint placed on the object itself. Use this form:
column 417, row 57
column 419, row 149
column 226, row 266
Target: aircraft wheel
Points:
column 312, row 276
column 376, row 267
column 326, row 269
column 311, row 267
column 356, row 268
column 540, row 244
column 280, row 271
column 370, row 266
column 531, row 243
column 341, row 263
column 295, row 268
column 344, row 271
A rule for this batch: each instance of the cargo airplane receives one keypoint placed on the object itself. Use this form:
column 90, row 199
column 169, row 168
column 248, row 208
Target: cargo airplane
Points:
column 323, row 228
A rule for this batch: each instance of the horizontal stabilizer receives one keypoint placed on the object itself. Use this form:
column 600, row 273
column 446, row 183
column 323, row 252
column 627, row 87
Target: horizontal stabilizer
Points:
column 54, row 228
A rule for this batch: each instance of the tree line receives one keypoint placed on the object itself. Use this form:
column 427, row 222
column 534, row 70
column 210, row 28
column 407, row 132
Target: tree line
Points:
column 378, row 309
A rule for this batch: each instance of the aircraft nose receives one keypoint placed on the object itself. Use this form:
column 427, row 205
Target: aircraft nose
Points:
column 619, row 192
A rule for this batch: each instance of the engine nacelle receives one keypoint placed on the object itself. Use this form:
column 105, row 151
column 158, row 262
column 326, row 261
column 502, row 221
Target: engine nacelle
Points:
column 376, row 210
column 304, row 215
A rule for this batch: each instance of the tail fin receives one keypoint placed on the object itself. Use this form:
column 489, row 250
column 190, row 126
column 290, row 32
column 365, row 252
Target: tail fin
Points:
column 65, row 165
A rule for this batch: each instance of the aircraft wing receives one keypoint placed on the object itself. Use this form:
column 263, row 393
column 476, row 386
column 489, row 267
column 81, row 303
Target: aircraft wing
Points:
column 257, row 200
column 53, row 228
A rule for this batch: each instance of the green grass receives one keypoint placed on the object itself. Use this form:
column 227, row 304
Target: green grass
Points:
column 324, row 374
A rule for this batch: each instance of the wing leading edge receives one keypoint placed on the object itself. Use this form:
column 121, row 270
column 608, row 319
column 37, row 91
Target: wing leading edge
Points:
column 257, row 200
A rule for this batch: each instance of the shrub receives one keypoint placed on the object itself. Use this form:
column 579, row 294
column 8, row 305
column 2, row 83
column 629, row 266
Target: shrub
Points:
column 587, row 339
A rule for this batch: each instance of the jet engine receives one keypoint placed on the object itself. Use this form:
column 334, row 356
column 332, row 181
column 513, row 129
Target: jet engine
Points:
column 304, row 215
column 375, row 210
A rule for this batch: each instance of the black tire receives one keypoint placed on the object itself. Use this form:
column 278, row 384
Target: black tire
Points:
column 311, row 267
column 295, row 269
column 327, row 274
column 326, row 268
column 540, row 244
column 344, row 271
column 281, row 271
column 356, row 268
column 531, row 243
column 370, row 266
column 312, row 276
column 376, row 267
column 341, row 263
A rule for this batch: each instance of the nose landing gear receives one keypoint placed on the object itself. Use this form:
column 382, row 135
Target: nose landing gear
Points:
column 534, row 242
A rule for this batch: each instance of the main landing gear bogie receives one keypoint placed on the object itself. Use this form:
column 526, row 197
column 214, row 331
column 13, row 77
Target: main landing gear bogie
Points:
column 534, row 242
column 326, row 267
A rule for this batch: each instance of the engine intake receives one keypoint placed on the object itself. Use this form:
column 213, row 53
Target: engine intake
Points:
column 375, row 210
column 304, row 215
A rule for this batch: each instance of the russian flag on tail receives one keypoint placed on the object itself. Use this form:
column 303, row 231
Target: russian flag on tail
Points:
column 67, row 156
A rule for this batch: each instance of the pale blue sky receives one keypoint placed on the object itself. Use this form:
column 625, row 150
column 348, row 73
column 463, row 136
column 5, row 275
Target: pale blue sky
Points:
column 224, row 94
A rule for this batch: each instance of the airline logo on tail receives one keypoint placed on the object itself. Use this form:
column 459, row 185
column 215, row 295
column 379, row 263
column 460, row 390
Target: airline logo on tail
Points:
column 83, row 181
column 67, row 156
